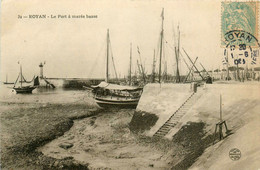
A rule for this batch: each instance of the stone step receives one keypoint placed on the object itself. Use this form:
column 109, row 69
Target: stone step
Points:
column 172, row 122
column 165, row 127
column 161, row 134
column 173, row 118
column 169, row 125
column 164, row 130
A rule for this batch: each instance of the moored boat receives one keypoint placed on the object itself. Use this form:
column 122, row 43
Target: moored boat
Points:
column 6, row 81
column 22, row 86
column 113, row 95
column 25, row 89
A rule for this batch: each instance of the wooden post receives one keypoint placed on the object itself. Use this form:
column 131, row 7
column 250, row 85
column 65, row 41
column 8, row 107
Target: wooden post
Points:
column 219, row 125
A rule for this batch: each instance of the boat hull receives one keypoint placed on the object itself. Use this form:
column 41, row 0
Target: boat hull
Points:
column 106, row 103
column 24, row 90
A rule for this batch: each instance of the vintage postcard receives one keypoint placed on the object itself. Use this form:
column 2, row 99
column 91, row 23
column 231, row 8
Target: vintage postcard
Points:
column 130, row 84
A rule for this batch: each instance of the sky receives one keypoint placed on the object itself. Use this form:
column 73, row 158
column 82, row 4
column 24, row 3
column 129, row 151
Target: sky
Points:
column 76, row 47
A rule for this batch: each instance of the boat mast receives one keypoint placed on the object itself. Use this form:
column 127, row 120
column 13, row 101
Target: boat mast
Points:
column 130, row 70
column 153, row 73
column 165, row 71
column 141, row 65
column 139, row 69
column 107, row 69
column 177, row 58
column 21, row 75
column 161, row 47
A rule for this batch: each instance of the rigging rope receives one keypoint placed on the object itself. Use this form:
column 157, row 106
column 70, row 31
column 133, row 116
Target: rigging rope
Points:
column 16, row 80
column 94, row 66
column 113, row 60
column 178, row 58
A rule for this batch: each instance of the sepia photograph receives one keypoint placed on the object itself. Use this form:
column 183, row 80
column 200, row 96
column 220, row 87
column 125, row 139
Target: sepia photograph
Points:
column 129, row 84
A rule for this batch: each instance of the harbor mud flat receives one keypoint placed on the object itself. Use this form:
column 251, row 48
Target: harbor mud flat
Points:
column 29, row 121
column 104, row 141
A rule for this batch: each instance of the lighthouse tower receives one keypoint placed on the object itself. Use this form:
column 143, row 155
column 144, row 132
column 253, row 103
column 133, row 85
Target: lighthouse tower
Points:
column 41, row 70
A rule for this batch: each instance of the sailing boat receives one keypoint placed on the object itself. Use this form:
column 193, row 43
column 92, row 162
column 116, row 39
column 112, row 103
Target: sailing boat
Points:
column 22, row 86
column 6, row 81
column 112, row 95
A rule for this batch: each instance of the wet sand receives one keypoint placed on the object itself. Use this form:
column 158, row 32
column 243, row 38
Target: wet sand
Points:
column 105, row 142
column 30, row 121
column 24, row 127
column 101, row 141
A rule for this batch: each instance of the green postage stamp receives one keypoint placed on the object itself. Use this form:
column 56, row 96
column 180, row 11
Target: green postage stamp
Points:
column 239, row 20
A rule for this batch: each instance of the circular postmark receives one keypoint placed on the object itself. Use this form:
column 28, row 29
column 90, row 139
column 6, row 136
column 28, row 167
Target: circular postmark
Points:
column 235, row 154
column 241, row 47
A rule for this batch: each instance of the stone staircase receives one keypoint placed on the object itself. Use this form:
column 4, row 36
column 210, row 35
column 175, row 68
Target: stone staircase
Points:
column 176, row 116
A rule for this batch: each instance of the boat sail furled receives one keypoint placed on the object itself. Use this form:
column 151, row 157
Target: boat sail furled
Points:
column 23, row 86
column 112, row 95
